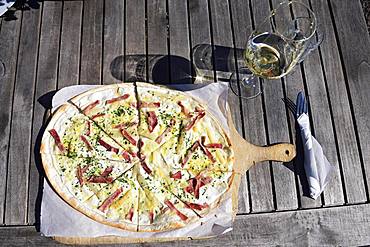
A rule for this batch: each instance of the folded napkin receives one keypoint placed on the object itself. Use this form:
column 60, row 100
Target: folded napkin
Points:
column 317, row 167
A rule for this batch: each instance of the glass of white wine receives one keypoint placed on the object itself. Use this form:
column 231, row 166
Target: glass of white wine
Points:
column 277, row 44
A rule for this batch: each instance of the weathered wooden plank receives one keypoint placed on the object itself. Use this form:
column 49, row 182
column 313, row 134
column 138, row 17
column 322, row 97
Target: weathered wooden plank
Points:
column 322, row 120
column 113, row 37
column 354, row 42
column 294, row 83
column 341, row 226
column 341, row 112
column 92, row 36
column 135, row 40
column 201, row 41
column 278, row 131
column 9, row 40
column 241, row 23
column 69, row 60
column 20, row 141
column 47, row 71
column 180, row 65
column 157, row 42
column 259, row 176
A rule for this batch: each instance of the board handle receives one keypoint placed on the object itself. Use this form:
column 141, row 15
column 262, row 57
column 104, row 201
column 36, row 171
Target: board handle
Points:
column 282, row 152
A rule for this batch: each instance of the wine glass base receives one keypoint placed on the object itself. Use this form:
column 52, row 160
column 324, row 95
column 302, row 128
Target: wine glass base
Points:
column 244, row 84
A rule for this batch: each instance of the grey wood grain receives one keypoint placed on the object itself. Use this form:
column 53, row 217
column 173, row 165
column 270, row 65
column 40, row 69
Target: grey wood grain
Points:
column 322, row 119
column 70, row 44
column 179, row 41
column 92, row 36
column 20, row 141
column 278, row 131
column 157, row 41
column 114, row 31
column 341, row 111
column 260, row 183
column 354, row 41
column 344, row 226
column 241, row 23
column 294, row 83
column 46, row 81
column 200, row 35
column 9, row 40
column 135, row 41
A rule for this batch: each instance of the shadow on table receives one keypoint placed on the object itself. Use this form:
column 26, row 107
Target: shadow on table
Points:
column 20, row 5
column 161, row 69
column 297, row 164
column 172, row 69
column 46, row 101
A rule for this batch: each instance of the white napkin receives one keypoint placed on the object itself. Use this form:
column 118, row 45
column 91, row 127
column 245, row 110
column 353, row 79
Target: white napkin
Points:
column 317, row 167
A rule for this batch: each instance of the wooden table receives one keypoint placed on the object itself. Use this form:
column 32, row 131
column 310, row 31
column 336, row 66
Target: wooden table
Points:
column 54, row 44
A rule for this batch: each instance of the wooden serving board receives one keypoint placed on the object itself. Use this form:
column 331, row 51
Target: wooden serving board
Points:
column 246, row 155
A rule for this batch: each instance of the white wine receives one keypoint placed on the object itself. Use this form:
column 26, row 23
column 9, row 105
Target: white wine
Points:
column 269, row 56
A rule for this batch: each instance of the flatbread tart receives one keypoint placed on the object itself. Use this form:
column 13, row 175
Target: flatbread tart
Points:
column 138, row 157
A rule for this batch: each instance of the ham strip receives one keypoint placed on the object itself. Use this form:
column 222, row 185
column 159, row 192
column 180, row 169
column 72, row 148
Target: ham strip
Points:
column 123, row 97
column 126, row 156
column 79, row 175
column 196, row 183
column 100, row 179
column 128, row 137
column 90, row 106
column 145, row 167
column 88, row 128
column 190, row 188
column 213, row 145
column 152, row 120
column 197, row 206
column 176, row 175
column 205, row 150
column 165, row 132
column 133, row 154
column 107, row 146
column 149, row 104
column 189, row 153
column 151, row 217
column 172, row 207
column 183, row 109
column 193, row 121
column 124, row 125
column 130, row 214
column 107, row 202
column 107, row 171
column 98, row 115
column 87, row 143
column 57, row 140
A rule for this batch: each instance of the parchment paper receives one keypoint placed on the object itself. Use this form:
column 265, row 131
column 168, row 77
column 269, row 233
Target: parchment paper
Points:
column 60, row 219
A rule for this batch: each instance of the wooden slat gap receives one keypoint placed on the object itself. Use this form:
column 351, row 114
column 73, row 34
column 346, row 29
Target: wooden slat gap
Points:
column 212, row 40
column 168, row 40
column 81, row 39
column 146, row 40
column 11, row 116
column 33, row 106
column 190, row 39
column 102, row 47
column 291, row 137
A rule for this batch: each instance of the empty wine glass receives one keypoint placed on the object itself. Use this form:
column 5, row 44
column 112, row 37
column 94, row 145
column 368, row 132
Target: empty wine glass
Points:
column 276, row 45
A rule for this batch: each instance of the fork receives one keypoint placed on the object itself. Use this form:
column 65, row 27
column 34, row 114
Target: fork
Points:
column 299, row 107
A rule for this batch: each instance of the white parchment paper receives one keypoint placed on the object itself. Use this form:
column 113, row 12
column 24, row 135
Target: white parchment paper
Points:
column 60, row 219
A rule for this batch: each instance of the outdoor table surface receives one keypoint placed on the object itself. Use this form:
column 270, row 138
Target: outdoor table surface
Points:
column 47, row 45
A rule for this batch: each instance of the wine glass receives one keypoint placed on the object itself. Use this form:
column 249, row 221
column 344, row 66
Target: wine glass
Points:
column 277, row 44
